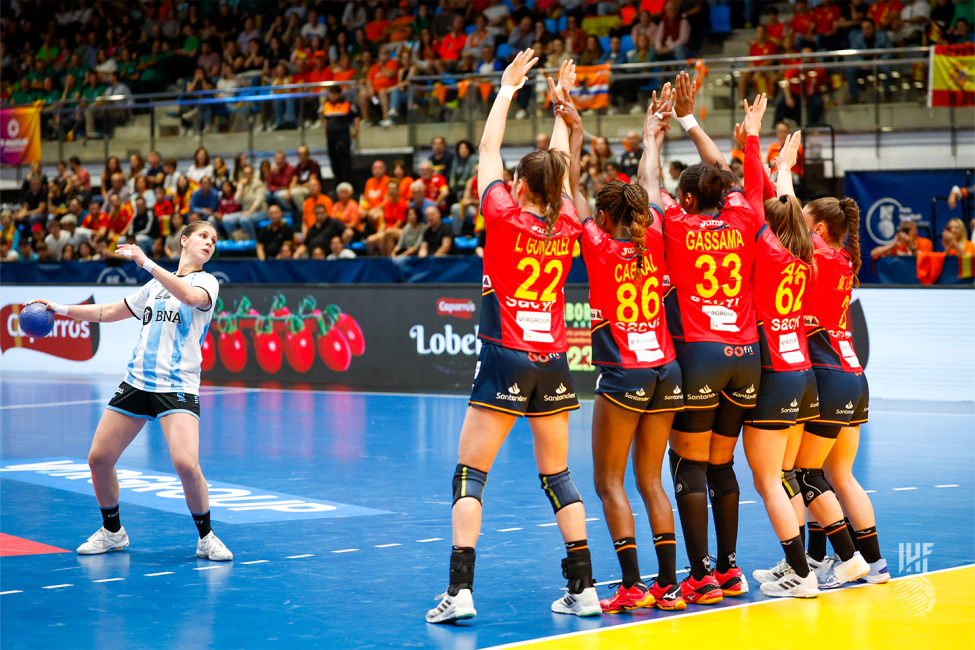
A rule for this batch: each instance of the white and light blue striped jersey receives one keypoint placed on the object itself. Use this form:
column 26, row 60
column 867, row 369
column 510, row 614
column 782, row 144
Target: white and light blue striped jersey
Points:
column 168, row 355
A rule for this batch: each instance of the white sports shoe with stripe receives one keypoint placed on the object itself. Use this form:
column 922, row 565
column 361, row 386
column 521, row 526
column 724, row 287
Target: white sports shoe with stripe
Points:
column 790, row 585
column 104, row 541
column 453, row 608
column 211, row 548
column 773, row 574
column 585, row 603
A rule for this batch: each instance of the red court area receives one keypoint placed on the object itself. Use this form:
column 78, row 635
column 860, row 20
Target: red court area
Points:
column 10, row 545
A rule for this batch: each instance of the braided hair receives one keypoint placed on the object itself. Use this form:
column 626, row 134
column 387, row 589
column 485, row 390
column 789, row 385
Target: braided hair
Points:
column 628, row 205
column 842, row 220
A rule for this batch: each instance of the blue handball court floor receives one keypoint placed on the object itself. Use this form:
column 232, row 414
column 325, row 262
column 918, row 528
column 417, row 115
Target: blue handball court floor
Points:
column 337, row 508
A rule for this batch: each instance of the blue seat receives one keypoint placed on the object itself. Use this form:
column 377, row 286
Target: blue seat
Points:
column 552, row 25
column 231, row 246
column 626, row 43
column 720, row 20
column 470, row 29
column 604, row 43
column 358, row 246
column 504, row 51
column 563, row 24
column 264, row 223
column 465, row 243
column 509, row 4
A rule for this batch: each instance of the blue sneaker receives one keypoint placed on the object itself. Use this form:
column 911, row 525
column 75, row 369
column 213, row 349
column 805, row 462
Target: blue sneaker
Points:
column 824, row 573
column 878, row 573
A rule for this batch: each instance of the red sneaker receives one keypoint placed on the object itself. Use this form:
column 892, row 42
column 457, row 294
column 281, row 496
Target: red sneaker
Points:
column 700, row 592
column 668, row 598
column 732, row 583
column 624, row 599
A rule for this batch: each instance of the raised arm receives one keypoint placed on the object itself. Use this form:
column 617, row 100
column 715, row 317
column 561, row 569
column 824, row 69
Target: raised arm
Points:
column 178, row 287
column 561, row 96
column 655, row 124
column 490, row 166
column 785, row 161
column 684, row 111
column 755, row 178
column 567, row 112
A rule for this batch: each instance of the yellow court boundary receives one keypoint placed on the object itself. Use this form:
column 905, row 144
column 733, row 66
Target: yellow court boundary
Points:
column 931, row 610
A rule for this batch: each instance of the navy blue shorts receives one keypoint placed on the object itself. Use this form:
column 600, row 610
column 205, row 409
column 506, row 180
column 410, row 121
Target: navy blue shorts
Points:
column 844, row 397
column 522, row 383
column 785, row 399
column 136, row 403
column 720, row 383
column 644, row 390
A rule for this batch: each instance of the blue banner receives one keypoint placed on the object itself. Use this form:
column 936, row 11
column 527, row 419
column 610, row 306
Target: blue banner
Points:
column 887, row 198
column 229, row 503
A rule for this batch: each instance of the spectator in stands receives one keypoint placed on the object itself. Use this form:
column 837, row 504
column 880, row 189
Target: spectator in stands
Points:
column 954, row 240
column 118, row 187
column 287, row 252
column 802, row 25
column 868, row 37
column 393, row 99
column 401, row 174
column 315, row 198
column 339, row 251
column 826, row 18
column 376, row 187
column 961, row 32
column 68, row 254
column 228, row 205
column 644, row 26
column 273, row 238
column 341, row 125
column 522, row 36
column 761, row 46
column 144, row 226
column 321, row 232
column 853, row 13
column 172, row 245
column 318, row 253
column 75, row 164
column 435, row 185
column 773, row 27
column 141, row 190
column 201, row 167
column 418, row 197
column 43, row 254
column 811, row 86
column 279, row 181
column 250, row 195
column 9, row 233
column 155, row 173
column 591, row 53
column 284, row 109
column 479, row 37
column 451, row 46
column 26, row 253
column 542, row 141
column 674, row 35
column 464, row 212
column 906, row 242
column 162, row 207
column 206, row 200
column 497, row 18
column 346, row 210
column 76, row 235
column 57, row 238
column 381, row 76
column 84, row 253
column 299, row 188
column 463, row 166
column 782, row 131
column 115, row 218
column 441, row 159
column 614, row 54
column 392, row 213
column 437, row 241
column 629, row 162
column 119, row 95
column 671, row 180
column 884, row 13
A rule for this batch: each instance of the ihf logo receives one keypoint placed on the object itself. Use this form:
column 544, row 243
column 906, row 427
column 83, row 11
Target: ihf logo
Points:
column 884, row 218
column 913, row 558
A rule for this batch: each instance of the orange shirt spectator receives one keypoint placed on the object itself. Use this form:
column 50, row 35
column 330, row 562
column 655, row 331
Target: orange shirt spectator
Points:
column 969, row 249
column 404, row 186
column 308, row 209
column 655, row 7
column 375, row 192
column 320, row 75
column 924, row 245
column 627, row 15
column 118, row 220
column 773, row 153
column 96, row 221
column 883, row 12
column 394, row 214
column 397, row 28
column 825, row 17
column 347, row 214
column 375, row 30
column 380, row 80
column 451, row 46
column 338, row 74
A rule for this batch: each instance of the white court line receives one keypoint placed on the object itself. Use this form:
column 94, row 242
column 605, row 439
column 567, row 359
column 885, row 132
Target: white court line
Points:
column 593, row 519
column 432, row 539
column 256, row 562
column 943, row 486
column 869, row 491
column 109, row 580
column 741, row 502
column 346, row 550
column 103, row 400
column 15, row 591
column 508, row 530
column 56, row 586
column 215, row 566
column 295, row 557
column 907, row 488
column 693, row 613
column 161, row 573
column 555, row 523
column 387, row 545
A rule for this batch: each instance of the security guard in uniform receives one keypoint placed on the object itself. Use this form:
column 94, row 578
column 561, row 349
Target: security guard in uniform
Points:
column 341, row 119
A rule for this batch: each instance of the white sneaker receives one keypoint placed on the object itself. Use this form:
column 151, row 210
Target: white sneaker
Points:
column 453, row 608
column 791, row 585
column 393, row 112
column 582, row 604
column 386, row 123
column 878, row 573
column 212, row 548
column 824, row 573
column 773, row 574
column 521, row 114
column 851, row 570
column 104, row 541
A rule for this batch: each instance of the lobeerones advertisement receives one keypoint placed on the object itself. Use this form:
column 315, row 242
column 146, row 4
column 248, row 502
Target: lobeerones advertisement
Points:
column 423, row 338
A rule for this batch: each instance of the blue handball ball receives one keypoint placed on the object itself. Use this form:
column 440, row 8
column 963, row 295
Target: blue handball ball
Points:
column 36, row 320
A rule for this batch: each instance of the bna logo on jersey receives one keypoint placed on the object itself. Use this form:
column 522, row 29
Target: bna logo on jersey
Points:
column 885, row 217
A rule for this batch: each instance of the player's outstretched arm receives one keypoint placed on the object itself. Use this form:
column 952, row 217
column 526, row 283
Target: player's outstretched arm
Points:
column 684, row 111
column 785, row 161
column 105, row 313
column 567, row 120
column 655, row 126
column 570, row 115
column 490, row 166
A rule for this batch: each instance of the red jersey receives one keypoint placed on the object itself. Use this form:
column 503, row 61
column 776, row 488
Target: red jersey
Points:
column 394, row 214
column 827, row 309
column 628, row 324
column 709, row 259
column 523, row 306
column 774, row 32
column 433, row 186
column 762, row 50
column 801, row 23
column 884, row 11
column 824, row 17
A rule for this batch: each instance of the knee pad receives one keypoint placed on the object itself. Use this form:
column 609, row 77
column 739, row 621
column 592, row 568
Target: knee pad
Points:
column 812, row 483
column 560, row 490
column 690, row 476
column 789, row 483
column 722, row 480
column 831, row 431
column 469, row 482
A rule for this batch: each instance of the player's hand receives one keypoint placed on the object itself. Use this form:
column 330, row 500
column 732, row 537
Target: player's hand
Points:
column 684, row 95
column 790, row 152
column 567, row 77
column 740, row 135
column 570, row 115
column 753, row 115
column 46, row 303
column 516, row 72
column 953, row 197
column 656, row 121
column 666, row 93
column 133, row 251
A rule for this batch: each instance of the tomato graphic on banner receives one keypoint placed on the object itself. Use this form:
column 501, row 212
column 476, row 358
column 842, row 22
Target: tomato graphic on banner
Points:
column 70, row 339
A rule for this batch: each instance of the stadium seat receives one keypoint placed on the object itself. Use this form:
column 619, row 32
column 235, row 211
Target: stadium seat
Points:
column 720, row 20
column 604, row 43
column 465, row 244
column 231, row 246
column 358, row 246
column 264, row 223
column 470, row 29
column 552, row 25
column 626, row 43
column 504, row 51
column 563, row 24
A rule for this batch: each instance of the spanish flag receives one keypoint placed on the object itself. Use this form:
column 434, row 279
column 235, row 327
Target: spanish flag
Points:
column 952, row 74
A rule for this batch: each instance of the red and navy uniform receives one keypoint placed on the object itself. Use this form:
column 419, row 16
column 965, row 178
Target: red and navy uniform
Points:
column 844, row 397
column 522, row 367
column 710, row 313
column 630, row 341
column 779, row 285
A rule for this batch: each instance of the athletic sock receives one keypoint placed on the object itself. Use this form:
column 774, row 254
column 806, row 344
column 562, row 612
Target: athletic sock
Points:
column 462, row 560
column 853, row 533
column 795, row 555
column 665, row 544
column 110, row 519
column 629, row 563
column 839, row 537
column 802, row 534
column 817, row 541
column 202, row 523
column 577, row 567
column 869, row 544
column 724, row 510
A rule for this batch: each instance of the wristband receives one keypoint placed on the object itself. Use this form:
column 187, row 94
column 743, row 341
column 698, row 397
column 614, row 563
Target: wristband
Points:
column 507, row 91
column 688, row 122
column 60, row 310
column 955, row 190
column 148, row 266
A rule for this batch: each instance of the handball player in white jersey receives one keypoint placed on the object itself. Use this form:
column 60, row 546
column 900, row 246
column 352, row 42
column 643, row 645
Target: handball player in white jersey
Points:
column 162, row 382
